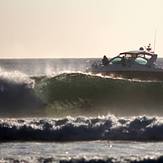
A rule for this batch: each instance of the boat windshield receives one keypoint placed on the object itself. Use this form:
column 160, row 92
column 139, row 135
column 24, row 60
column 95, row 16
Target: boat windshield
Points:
column 116, row 60
column 141, row 61
column 138, row 60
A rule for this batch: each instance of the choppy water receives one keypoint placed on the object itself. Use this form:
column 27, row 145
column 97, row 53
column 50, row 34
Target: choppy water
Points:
column 53, row 111
column 81, row 151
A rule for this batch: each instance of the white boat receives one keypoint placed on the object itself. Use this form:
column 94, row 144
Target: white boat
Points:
column 139, row 64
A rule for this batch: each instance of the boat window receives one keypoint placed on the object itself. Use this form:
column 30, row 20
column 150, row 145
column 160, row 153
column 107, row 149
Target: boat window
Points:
column 141, row 61
column 128, row 55
column 116, row 60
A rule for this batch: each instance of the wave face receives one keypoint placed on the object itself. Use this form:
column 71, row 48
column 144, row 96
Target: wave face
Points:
column 78, row 94
column 141, row 128
column 84, row 93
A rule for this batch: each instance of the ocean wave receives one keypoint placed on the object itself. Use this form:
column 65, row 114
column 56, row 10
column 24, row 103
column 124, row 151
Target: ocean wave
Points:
column 78, row 94
column 141, row 128
column 17, row 96
column 114, row 160
column 86, row 93
column 84, row 160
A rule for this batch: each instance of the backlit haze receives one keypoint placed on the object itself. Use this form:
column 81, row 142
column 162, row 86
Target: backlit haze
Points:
column 78, row 28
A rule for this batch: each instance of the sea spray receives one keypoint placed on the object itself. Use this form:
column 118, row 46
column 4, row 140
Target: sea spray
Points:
column 17, row 96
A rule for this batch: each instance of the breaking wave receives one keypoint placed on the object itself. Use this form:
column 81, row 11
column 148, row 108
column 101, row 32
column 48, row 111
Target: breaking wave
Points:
column 85, row 93
column 141, row 128
column 17, row 96
column 85, row 160
column 77, row 94
column 114, row 160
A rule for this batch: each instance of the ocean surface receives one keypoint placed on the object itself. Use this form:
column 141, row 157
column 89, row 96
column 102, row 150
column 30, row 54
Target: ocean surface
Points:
column 54, row 110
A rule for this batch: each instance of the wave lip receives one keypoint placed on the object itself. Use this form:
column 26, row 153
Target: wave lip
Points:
column 140, row 128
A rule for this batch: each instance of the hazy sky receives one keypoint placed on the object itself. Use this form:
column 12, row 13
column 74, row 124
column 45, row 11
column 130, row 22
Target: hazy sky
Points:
column 78, row 28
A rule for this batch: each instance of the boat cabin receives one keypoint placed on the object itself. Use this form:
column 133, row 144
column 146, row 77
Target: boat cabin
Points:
column 140, row 57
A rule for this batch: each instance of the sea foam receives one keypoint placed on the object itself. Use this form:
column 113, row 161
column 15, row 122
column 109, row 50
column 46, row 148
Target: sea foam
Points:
column 141, row 128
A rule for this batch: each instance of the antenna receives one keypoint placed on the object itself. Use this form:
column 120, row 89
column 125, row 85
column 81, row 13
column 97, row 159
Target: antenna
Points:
column 155, row 39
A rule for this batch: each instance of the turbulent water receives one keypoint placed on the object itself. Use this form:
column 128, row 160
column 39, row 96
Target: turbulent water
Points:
column 57, row 101
column 82, row 128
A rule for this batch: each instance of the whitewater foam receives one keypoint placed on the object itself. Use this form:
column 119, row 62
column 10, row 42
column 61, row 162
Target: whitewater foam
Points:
column 85, row 160
column 141, row 128
column 16, row 77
